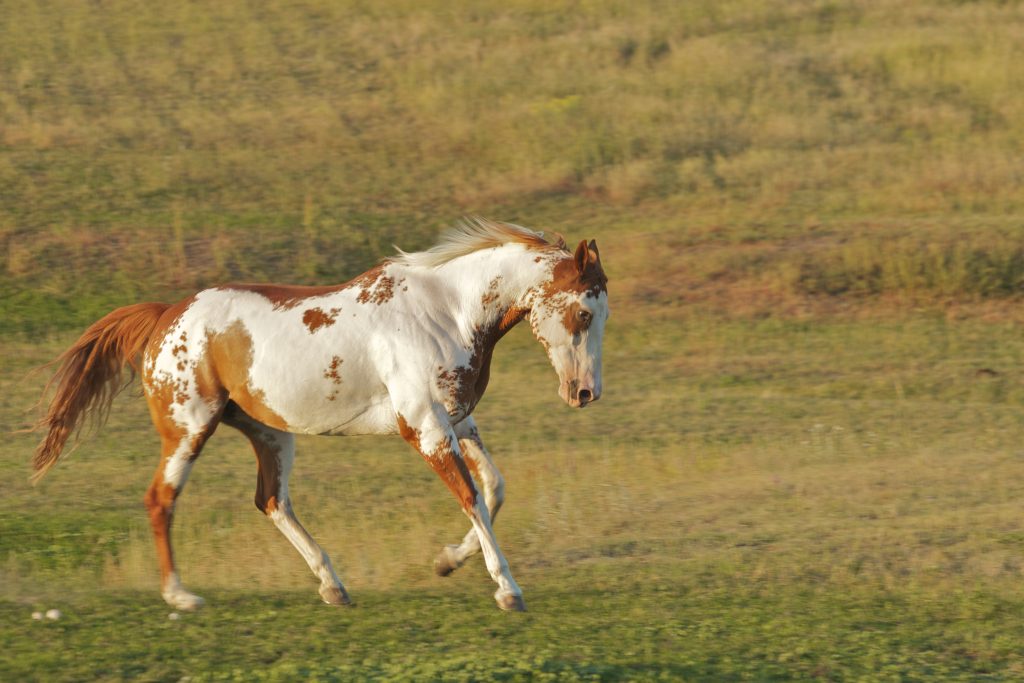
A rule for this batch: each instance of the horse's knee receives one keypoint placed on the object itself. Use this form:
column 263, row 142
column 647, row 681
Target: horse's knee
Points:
column 159, row 499
column 265, row 504
column 498, row 489
column 265, row 499
column 494, row 492
column 271, row 478
column 267, row 486
column 150, row 499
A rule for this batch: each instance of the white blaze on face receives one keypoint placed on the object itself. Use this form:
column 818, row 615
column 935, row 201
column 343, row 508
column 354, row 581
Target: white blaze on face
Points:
column 570, row 325
column 593, row 337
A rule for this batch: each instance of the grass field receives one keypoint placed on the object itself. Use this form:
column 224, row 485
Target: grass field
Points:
column 807, row 462
column 763, row 504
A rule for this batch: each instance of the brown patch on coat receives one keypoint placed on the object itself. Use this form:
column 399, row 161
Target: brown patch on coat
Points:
column 485, row 340
column 408, row 432
column 366, row 278
column 226, row 369
column 160, row 396
column 473, row 468
column 492, row 293
column 284, row 297
column 160, row 496
column 449, row 382
column 159, row 502
column 383, row 290
column 332, row 374
column 376, row 287
column 582, row 273
column 165, row 389
column 465, row 384
column 180, row 350
column 366, row 281
column 315, row 318
column 454, row 473
column 168, row 390
column 446, row 463
column 576, row 318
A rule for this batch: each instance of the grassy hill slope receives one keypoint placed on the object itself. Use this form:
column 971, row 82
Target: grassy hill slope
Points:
column 806, row 463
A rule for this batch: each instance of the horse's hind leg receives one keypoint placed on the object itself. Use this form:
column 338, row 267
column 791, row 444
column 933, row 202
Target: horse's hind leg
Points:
column 489, row 479
column 275, row 454
column 181, row 445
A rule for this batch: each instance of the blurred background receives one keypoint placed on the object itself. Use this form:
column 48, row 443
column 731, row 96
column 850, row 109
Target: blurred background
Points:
column 807, row 459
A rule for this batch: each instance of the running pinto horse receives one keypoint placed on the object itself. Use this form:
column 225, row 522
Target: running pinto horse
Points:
column 405, row 348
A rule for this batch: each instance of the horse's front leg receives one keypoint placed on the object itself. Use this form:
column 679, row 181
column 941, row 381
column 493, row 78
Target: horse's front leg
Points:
column 429, row 432
column 489, row 479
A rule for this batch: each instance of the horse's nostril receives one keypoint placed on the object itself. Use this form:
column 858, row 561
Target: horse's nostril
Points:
column 585, row 396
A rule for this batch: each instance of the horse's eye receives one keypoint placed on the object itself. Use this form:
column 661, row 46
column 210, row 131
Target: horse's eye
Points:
column 584, row 316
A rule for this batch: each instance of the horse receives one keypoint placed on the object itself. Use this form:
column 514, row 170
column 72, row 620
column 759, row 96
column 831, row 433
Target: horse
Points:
column 404, row 348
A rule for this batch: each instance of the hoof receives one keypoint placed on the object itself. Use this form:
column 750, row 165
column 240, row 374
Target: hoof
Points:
column 444, row 564
column 184, row 601
column 334, row 595
column 510, row 602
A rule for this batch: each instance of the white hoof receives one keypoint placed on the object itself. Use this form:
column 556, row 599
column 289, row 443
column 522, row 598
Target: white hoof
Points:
column 183, row 600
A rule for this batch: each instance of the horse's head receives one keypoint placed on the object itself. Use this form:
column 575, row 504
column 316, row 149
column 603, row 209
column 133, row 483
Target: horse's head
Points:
column 568, row 315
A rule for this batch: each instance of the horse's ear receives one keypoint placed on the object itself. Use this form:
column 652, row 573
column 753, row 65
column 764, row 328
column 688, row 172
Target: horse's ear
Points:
column 581, row 256
column 593, row 248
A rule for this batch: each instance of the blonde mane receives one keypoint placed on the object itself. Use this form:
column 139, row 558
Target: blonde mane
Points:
column 473, row 234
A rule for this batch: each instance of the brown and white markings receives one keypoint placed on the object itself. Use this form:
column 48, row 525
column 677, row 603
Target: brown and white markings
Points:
column 405, row 348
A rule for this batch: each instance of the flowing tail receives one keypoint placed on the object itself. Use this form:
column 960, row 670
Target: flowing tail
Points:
column 90, row 376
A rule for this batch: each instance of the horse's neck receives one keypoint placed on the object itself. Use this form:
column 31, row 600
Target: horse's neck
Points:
column 490, row 290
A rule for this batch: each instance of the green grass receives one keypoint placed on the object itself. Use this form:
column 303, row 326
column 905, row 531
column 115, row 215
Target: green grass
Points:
column 750, row 499
column 806, row 463
column 613, row 627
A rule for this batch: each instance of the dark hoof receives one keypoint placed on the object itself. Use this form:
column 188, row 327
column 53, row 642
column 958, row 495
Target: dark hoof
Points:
column 333, row 595
column 511, row 603
column 444, row 564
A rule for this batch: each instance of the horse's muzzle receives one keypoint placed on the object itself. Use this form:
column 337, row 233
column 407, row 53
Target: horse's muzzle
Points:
column 579, row 396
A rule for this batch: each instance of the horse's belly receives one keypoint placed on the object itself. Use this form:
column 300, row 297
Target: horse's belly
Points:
column 313, row 407
column 377, row 419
